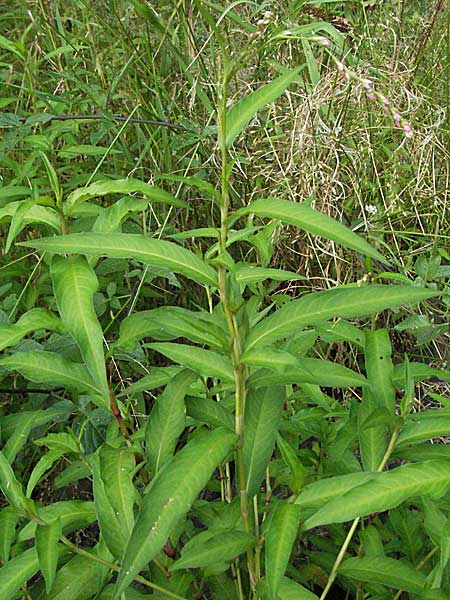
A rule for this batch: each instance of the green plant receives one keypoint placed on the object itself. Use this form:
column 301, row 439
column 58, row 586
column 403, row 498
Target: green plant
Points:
column 243, row 457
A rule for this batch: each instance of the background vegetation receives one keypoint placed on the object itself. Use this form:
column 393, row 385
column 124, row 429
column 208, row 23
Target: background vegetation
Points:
column 105, row 91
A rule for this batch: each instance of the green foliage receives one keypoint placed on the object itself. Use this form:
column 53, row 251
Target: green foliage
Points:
column 188, row 407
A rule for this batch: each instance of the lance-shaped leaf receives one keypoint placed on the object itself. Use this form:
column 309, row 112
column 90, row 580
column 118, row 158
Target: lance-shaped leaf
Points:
column 8, row 523
column 75, row 284
column 37, row 318
column 167, row 420
column 379, row 397
column 47, row 538
column 36, row 214
column 339, row 302
column 288, row 590
column 119, row 186
column 203, row 362
column 11, row 488
column 112, row 217
column 81, row 577
column 426, row 429
column 53, row 369
column 213, row 547
column 241, row 113
column 262, row 417
column 126, row 245
column 17, row 571
column 170, row 322
column 387, row 571
column 112, row 532
column 310, row 220
column 74, row 514
column 419, row 372
column 280, row 537
column 170, row 497
column 384, row 491
column 117, row 467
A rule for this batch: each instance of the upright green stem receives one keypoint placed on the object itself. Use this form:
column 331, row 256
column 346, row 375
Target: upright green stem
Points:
column 239, row 370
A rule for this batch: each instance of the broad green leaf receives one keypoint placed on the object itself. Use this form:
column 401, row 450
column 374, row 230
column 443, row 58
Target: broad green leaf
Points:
column 126, row 245
column 263, row 408
column 384, row 491
column 35, row 214
column 44, row 464
column 209, row 411
column 112, row 531
column 426, row 429
column 11, row 488
column 117, row 467
column 112, row 217
column 203, row 362
column 75, row 284
column 51, row 368
column 340, row 331
column 59, row 441
column 310, row 220
column 207, row 549
column 379, row 369
column 246, row 274
column 371, row 541
column 8, row 523
column 167, row 421
column 170, row 322
column 280, row 537
column 37, row 318
column 119, row 186
column 81, row 578
column 339, row 302
column 74, row 472
column 397, row 574
column 307, row 370
column 9, row 423
column 18, row 438
column 242, row 112
column 419, row 372
column 17, row 222
column 74, row 514
column 17, row 571
column 158, row 377
column 47, row 538
column 320, row 492
column 288, row 590
column 292, row 461
column 405, row 523
column 170, row 497
column 380, row 395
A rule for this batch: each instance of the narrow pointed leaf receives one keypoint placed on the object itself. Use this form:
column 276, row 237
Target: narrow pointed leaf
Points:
column 310, row 220
column 51, row 368
column 203, row 362
column 419, row 372
column 288, row 590
column 246, row 274
column 74, row 514
column 207, row 410
column 386, row 490
column 338, row 302
column 241, row 113
column 37, row 318
column 75, row 284
column 397, row 574
column 167, row 323
column 126, row 245
column 119, row 186
column 117, row 467
column 280, row 537
column 112, row 217
column 47, row 538
column 379, row 368
column 44, row 464
column 262, row 417
column 8, row 523
column 11, row 488
column 223, row 547
column 170, row 497
column 167, row 420
column 17, row 571
column 18, row 438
